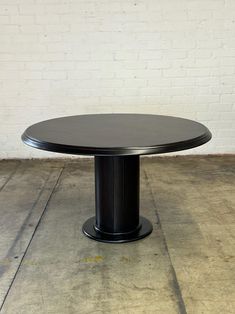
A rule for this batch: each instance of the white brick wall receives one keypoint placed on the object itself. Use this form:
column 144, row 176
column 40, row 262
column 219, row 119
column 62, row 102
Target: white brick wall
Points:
column 65, row 57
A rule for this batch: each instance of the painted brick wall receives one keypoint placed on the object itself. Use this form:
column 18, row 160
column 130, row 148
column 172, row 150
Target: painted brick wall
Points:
column 173, row 57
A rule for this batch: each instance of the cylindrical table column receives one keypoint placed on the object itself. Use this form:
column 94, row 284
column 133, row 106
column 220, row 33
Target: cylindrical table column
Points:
column 117, row 201
column 117, row 194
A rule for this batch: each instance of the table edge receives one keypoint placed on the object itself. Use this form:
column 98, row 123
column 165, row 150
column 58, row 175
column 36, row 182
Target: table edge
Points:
column 117, row 151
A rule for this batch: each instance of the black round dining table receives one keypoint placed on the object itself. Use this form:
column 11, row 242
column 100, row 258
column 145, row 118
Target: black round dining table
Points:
column 116, row 141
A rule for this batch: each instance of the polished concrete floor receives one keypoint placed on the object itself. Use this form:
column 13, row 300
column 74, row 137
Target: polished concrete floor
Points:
column 186, row 265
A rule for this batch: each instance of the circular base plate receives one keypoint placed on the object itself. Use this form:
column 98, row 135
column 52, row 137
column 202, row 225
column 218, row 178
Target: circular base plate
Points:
column 89, row 230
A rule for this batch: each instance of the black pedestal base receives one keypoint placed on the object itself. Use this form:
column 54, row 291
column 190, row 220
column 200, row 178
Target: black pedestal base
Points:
column 145, row 228
column 117, row 217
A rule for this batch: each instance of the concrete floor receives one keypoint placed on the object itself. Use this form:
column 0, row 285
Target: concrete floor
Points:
column 185, row 266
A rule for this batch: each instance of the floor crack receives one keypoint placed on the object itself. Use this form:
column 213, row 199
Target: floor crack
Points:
column 175, row 283
column 38, row 223
column 10, row 176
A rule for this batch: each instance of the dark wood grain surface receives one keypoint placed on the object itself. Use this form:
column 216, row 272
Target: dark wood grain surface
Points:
column 116, row 134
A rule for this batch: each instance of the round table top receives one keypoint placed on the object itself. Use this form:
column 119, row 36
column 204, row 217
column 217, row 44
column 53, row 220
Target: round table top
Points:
column 116, row 134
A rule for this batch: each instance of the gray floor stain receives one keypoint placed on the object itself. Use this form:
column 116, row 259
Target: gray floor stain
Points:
column 185, row 266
